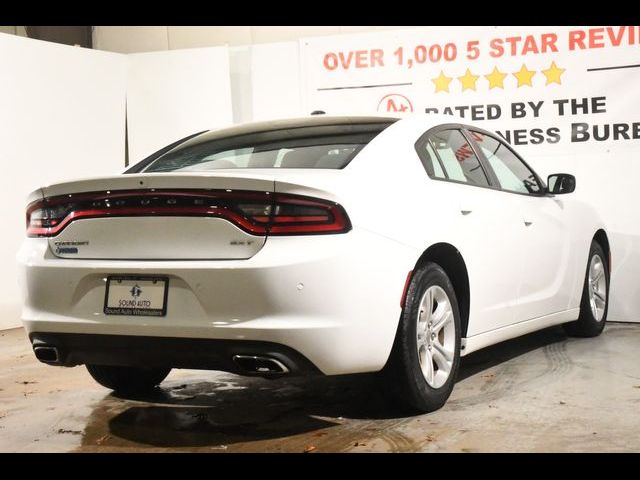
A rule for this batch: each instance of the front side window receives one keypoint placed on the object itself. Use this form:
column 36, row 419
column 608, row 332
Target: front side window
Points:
column 513, row 175
column 457, row 158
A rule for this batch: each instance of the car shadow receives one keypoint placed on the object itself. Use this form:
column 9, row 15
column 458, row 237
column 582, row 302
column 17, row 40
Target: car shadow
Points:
column 230, row 409
column 489, row 357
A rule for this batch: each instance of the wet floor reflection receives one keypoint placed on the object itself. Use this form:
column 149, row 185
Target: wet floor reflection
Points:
column 236, row 409
column 193, row 427
column 232, row 413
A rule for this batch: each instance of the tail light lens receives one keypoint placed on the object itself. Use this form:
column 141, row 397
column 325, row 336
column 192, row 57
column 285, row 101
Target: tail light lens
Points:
column 258, row 213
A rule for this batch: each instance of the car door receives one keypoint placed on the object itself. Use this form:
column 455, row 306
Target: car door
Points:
column 481, row 223
column 543, row 237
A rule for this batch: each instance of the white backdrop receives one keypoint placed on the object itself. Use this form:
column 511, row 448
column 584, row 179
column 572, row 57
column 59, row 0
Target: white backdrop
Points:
column 63, row 111
column 173, row 94
column 64, row 117
column 275, row 78
column 549, row 90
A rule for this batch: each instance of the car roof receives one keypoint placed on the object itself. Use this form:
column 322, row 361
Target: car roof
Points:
column 292, row 123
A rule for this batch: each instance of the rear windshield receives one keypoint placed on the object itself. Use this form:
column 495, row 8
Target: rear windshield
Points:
column 275, row 156
column 266, row 150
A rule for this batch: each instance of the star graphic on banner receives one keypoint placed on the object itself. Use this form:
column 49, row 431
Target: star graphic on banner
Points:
column 553, row 74
column 442, row 82
column 496, row 78
column 468, row 80
column 524, row 76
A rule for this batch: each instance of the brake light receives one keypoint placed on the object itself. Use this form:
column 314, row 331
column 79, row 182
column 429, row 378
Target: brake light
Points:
column 258, row 213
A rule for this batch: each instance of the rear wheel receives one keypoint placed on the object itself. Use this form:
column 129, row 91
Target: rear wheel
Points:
column 128, row 379
column 595, row 296
column 426, row 354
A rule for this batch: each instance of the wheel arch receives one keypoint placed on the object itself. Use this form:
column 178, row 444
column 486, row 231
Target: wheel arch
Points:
column 450, row 259
column 602, row 239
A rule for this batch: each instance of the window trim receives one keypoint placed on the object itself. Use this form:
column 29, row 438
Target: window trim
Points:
column 543, row 185
column 424, row 139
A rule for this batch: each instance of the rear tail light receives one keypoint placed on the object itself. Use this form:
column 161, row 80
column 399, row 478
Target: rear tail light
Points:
column 258, row 213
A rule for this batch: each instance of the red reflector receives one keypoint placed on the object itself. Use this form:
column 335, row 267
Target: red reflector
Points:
column 257, row 213
column 405, row 289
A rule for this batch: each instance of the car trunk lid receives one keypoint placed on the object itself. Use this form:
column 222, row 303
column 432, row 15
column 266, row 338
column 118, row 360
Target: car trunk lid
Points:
column 160, row 216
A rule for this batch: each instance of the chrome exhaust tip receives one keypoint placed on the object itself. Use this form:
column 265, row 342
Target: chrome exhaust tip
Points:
column 258, row 365
column 47, row 354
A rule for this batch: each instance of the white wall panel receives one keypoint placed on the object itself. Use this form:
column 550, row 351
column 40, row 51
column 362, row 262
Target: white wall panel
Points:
column 241, row 73
column 63, row 111
column 175, row 93
column 275, row 81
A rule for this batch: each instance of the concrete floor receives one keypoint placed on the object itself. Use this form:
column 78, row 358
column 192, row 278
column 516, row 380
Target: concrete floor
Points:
column 543, row 393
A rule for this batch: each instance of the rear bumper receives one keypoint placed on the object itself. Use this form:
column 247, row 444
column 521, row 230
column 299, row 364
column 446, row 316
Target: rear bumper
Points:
column 198, row 353
column 334, row 299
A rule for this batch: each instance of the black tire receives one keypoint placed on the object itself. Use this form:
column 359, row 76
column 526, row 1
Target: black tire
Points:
column 587, row 325
column 128, row 379
column 403, row 374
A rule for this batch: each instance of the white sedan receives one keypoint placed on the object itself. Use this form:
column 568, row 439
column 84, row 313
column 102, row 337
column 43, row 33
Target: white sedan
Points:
column 322, row 245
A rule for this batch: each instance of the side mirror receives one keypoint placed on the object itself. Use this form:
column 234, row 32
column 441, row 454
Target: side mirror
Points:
column 560, row 183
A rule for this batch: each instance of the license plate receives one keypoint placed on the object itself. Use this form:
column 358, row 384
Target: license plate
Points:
column 136, row 296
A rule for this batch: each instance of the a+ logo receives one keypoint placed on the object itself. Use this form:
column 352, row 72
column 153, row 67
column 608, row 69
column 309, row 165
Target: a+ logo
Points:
column 395, row 103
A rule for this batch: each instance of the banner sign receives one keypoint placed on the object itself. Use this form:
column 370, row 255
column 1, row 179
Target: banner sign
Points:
column 566, row 98
column 553, row 88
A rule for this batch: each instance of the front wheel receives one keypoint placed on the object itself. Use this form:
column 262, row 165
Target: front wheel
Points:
column 426, row 354
column 128, row 379
column 595, row 296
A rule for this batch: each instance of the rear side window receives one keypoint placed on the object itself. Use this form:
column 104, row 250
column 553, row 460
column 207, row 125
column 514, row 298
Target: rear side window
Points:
column 431, row 161
column 513, row 175
column 457, row 159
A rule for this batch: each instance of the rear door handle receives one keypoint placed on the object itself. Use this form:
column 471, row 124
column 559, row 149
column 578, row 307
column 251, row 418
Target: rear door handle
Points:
column 527, row 223
column 465, row 212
